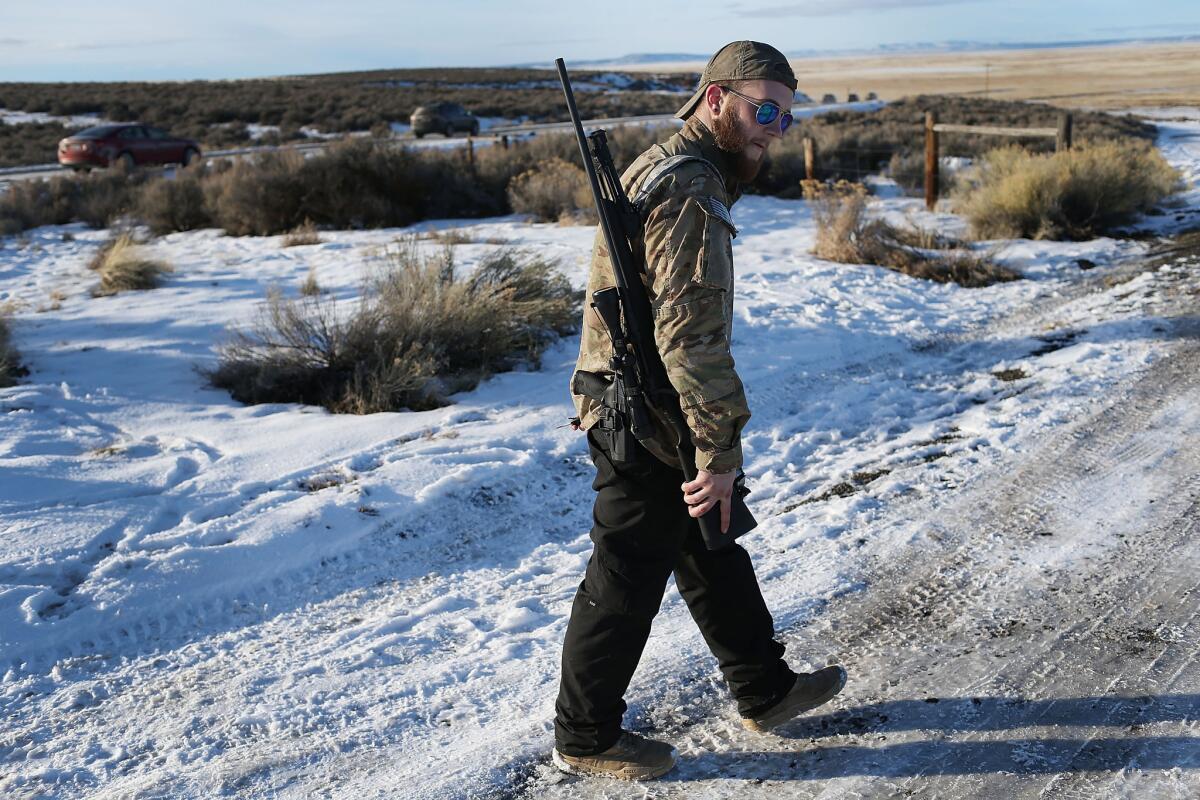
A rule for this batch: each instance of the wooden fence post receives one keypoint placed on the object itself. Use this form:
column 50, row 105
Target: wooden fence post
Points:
column 810, row 159
column 470, row 152
column 931, row 161
column 504, row 141
column 1063, row 140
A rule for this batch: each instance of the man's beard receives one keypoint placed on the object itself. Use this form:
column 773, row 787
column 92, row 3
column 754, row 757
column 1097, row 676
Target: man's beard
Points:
column 732, row 139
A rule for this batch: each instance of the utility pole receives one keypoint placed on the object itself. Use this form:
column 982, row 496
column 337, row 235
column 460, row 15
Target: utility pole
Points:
column 987, row 80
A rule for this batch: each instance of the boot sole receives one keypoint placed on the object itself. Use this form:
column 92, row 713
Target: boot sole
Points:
column 630, row 772
column 772, row 721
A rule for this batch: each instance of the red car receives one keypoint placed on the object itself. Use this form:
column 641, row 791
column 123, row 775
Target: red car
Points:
column 127, row 145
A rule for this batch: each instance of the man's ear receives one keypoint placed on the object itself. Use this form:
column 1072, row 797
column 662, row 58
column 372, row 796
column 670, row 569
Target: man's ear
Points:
column 714, row 98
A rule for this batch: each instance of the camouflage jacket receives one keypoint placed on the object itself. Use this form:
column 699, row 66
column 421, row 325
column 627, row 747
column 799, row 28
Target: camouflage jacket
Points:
column 689, row 280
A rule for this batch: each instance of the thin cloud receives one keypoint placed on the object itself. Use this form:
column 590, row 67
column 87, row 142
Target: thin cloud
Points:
column 824, row 8
column 11, row 42
column 1165, row 26
column 547, row 42
column 127, row 45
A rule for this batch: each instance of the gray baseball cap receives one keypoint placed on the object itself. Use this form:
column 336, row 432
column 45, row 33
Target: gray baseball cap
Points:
column 741, row 61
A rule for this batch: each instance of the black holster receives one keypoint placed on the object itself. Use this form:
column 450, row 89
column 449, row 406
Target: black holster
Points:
column 613, row 426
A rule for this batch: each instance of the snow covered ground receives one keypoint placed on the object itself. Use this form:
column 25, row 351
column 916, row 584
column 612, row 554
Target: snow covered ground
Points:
column 203, row 599
column 11, row 117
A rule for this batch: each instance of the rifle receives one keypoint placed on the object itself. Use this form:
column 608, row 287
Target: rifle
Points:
column 639, row 376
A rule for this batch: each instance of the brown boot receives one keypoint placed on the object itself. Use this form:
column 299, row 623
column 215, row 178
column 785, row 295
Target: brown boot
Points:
column 632, row 758
column 811, row 690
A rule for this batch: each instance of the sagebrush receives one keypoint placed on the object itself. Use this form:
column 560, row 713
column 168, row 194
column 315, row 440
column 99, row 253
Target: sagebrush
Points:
column 853, row 144
column 97, row 199
column 420, row 332
column 355, row 184
column 848, row 235
column 1077, row 194
column 218, row 113
column 367, row 183
column 553, row 190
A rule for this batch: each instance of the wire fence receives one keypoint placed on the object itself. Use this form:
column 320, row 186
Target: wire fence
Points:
column 858, row 162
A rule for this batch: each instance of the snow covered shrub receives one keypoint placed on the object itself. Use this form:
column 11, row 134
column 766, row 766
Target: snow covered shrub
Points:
column 846, row 234
column 1076, row 194
column 553, row 190
column 122, row 267
column 420, row 332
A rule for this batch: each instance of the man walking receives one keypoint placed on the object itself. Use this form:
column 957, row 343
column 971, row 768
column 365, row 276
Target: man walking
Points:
column 645, row 526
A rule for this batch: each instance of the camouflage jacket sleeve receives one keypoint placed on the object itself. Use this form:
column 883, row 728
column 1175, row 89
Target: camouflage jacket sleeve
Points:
column 689, row 267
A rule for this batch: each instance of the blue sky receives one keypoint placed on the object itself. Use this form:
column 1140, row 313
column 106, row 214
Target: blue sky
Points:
column 77, row 40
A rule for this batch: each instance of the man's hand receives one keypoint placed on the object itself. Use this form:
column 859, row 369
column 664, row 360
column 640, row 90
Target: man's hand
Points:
column 707, row 490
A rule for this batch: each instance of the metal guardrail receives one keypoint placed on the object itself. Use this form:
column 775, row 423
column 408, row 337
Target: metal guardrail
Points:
column 30, row 168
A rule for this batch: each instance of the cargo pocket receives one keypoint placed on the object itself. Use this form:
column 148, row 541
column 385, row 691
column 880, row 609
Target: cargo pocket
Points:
column 715, row 265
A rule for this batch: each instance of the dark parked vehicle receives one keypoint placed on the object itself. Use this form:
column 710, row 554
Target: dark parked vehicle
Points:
column 443, row 118
column 128, row 145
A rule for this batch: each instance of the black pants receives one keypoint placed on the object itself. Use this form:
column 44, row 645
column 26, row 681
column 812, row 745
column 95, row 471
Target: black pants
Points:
column 642, row 534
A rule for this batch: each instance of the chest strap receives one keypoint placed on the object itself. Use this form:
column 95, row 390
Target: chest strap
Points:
column 660, row 170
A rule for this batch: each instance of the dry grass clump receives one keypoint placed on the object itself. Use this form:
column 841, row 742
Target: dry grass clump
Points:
column 309, row 287
column 553, row 190
column 122, row 267
column 1077, row 194
column 56, row 298
column 448, row 236
column 303, row 234
column 847, row 236
column 419, row 333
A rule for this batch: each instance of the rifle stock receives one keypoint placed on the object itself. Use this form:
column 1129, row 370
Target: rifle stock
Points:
column 630, row 324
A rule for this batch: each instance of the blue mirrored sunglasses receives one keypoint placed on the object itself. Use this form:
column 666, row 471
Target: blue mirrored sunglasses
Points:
column 768, row 111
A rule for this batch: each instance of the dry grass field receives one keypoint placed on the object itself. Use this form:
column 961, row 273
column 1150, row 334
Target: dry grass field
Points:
column 1108, row 77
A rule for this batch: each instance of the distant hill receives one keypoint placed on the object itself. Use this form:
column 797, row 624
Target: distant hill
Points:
column 952, row 46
